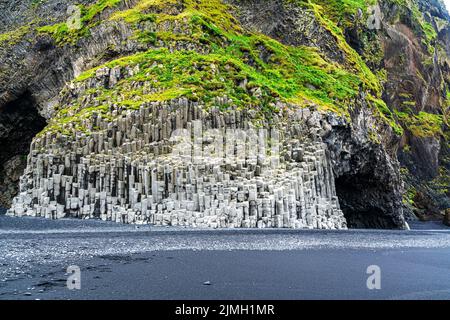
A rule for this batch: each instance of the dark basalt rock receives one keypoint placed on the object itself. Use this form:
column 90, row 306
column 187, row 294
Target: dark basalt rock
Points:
column 19, row 123
column 368, row 184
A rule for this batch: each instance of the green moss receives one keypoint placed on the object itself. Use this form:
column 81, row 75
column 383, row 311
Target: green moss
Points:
column 13, row 37
column 137, row 14
column 446, row 109
column 387, row 115
column 61, row 32
column 423, row 124
column 295, row 74
column 37, row 3
column 406, row 148
column 342, row 11
column 354, row 60
column 250, row 69
column 408, row 105
column 409, row 11
column 223, row 73
column 409, row 196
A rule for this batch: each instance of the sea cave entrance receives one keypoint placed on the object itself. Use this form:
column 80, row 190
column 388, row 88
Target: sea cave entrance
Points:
column 363, row 201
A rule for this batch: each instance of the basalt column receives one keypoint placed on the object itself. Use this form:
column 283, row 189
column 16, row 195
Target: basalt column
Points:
column 19, row 123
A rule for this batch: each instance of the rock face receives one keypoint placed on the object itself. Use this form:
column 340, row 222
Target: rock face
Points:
column 19, row 123
column 125, row 173
column 412, row 49
column 367, row 180
column 447, row 218
column 222, row 113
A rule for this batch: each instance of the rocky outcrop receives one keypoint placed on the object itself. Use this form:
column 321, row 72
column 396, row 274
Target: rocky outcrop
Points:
column 367, row 175
column 411, row 48
column 368, row 183
column 283, row 89
column 144, row 168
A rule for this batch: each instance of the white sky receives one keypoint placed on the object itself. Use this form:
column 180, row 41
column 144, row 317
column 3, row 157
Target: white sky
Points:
column 447, row 3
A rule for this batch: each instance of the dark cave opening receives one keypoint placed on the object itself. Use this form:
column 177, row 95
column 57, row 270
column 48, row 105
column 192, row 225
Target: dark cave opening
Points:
column 362, row 200
column 20, row 121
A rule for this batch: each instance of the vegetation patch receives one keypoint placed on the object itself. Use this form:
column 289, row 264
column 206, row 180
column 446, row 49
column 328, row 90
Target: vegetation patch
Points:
column 251, row 69
column 62, row 33
column 422, row 125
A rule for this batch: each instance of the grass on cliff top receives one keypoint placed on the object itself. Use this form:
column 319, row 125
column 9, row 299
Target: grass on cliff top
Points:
column 253, row 69
column 299, row 75
column 222, row 33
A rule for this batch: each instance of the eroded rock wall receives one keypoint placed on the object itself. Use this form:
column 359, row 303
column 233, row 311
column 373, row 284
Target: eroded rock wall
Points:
column 175, row 163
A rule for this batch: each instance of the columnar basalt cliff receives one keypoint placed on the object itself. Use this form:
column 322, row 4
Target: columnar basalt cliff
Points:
column 274, row 113
column 125, row 173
